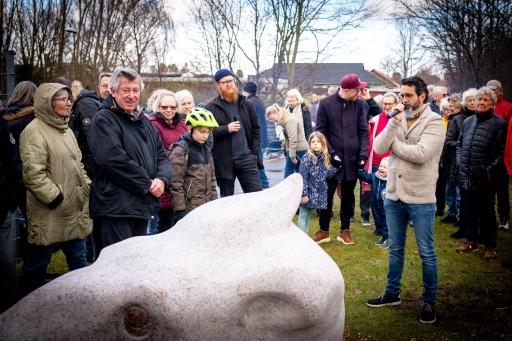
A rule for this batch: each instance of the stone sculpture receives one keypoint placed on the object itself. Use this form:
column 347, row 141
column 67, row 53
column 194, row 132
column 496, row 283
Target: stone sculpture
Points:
column 233, row 269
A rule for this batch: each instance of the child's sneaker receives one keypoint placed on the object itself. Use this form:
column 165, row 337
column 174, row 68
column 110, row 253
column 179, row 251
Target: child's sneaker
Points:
column 380, row 241
column 385, row 244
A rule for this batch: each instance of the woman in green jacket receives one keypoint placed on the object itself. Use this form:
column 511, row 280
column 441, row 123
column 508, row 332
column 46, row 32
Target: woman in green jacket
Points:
column 57, row 186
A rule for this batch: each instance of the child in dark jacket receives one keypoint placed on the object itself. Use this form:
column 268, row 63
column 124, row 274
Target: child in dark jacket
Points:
column 315, row 168
column 193, row 180
column 378, row 180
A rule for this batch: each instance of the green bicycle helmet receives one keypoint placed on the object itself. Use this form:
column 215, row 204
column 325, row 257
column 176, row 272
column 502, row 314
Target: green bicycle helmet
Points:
column 200, row 117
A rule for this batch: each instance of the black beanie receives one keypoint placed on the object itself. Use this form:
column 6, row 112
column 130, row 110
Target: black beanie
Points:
column 250, row 87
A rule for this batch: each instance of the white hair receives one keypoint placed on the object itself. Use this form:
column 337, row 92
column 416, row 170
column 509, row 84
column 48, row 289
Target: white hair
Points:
column 437, row 90
column 487, row 91
column 126, row 72
column 468, row 93
column 392, row 95
column 296, row 94
column 181, row 95
column 158, row 99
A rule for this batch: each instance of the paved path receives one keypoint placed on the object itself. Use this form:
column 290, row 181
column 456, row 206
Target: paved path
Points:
column 274, row 168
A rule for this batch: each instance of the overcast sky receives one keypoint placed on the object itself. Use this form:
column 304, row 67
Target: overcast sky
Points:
column 368, row 44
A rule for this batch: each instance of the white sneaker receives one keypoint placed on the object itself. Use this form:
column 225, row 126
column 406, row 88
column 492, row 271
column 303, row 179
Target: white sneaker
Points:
column 503, row 226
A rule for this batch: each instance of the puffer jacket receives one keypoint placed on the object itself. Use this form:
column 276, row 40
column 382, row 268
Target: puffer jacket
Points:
column 56, row 182
column 450, row 145
column 193, row 180
column 314, row 175
column 480, row 149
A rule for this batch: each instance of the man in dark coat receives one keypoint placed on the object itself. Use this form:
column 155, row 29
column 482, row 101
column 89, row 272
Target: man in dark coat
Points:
column 129, row 163
column 237, row 139
column 249, row 92
column 10, row 182
column 342, row 119
column 84, row 108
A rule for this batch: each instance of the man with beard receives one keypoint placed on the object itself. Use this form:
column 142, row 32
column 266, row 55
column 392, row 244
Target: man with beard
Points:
column 237, row 139
column 415, row 137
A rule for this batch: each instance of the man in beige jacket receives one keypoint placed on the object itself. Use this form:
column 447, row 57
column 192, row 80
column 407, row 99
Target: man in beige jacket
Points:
column 415, row 137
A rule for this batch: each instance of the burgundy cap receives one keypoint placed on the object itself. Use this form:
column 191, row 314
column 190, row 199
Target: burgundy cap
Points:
column 351, row 81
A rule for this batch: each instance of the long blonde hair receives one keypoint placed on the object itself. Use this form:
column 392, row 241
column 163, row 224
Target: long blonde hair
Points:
column 324, row 151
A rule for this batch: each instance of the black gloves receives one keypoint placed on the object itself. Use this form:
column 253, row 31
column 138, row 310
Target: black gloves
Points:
column 361, row 164
column 336, row 160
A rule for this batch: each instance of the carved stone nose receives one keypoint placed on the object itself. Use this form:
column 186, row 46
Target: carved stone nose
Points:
column 137, row 321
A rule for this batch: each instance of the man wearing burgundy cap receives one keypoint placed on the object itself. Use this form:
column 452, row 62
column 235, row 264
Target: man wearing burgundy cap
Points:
column 341, row 118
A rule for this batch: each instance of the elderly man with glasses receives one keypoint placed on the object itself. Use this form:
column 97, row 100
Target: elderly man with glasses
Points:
column 237, row 139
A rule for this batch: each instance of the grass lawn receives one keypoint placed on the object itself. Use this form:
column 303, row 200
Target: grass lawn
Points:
column 474, row 296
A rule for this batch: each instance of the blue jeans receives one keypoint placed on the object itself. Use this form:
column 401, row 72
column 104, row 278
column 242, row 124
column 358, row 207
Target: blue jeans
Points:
column 452, row 199
column 304, row 218
column 263, row 176
column 397, row 217
column 38, row 257
column 290, row 167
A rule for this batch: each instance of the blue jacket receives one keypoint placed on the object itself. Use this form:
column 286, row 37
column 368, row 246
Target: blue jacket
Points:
column 314, row 175
column 378, row 185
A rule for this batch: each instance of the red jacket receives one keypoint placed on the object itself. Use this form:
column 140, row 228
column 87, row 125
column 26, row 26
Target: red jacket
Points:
column 508, row 151
column 170, row 132
column 382, row 122
column 503, row 109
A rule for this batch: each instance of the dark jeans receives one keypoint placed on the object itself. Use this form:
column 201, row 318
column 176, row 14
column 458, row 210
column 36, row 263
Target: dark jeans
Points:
column 365, row 197
column 7, row 262
column 165, row 219
column 247, row 173
column 441, row 192
column 347, row 203
column 502, row 194
column 480, row 214
column 108, row 231
column 39, row 256
column 379, row 216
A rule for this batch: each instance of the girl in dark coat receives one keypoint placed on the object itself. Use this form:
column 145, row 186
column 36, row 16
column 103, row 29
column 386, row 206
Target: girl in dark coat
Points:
column 315, row 168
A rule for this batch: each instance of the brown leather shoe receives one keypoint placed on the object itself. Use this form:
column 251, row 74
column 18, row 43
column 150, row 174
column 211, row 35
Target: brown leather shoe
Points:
column 321, row 236
column 345, row 237
column 489, row 254
column 467, row 246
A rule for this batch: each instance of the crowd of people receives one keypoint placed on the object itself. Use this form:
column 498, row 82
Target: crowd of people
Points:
column 88, row 169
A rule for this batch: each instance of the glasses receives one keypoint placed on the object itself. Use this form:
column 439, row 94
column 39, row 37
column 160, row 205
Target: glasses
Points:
column 229, row 81
column 64, row 99
column 168, row 107
column 388, row 104
column 104, row 86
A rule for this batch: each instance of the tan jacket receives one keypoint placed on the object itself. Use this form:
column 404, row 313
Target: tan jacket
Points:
column 293, row 131
column 51, row 166
column 414, row 161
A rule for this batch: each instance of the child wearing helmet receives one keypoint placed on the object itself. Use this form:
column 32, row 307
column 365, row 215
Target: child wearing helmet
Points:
column 193, row 180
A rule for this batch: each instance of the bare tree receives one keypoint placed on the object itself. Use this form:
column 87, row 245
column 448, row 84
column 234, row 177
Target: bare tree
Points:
column 470, row 39
column 150, row 31
column 219, row 40
column 409, row 49
column 293, row 19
